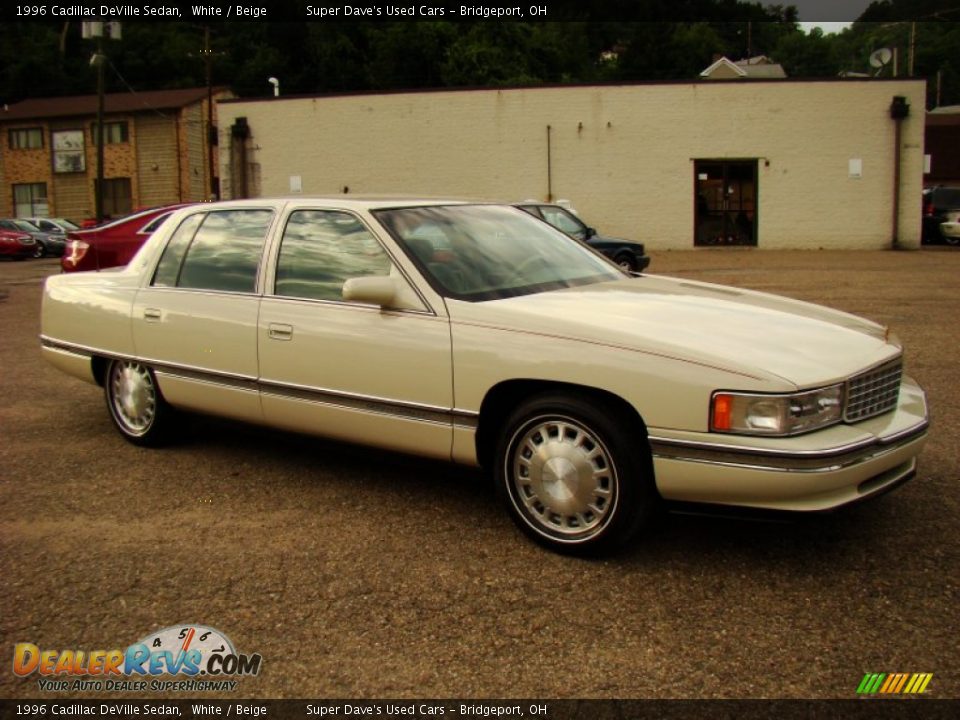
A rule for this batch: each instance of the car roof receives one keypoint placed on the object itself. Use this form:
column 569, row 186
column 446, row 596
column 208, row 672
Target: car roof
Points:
column 348, row 202
column 145, row 214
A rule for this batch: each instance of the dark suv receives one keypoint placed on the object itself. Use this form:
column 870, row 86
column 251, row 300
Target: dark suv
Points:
column 629, row 255
column 937, row 201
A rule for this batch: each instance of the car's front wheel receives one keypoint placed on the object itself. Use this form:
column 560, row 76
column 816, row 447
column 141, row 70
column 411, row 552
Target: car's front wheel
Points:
column 40, row 250
column 136, row 406
column 626, row 262
column 575, row 473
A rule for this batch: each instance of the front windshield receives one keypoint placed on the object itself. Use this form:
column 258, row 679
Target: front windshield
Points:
column 562, row 220
column 25, row 226
column 487, row 252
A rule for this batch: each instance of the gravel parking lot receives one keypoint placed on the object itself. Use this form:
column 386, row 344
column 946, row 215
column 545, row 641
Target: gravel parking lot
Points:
column 364, row 574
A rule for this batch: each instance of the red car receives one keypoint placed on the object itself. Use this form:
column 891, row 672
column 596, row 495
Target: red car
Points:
column 17, row 245
column 113, row 243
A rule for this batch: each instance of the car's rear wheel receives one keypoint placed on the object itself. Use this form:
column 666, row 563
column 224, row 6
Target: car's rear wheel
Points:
column 575, row 473
column 136, row 406
column 951, row 239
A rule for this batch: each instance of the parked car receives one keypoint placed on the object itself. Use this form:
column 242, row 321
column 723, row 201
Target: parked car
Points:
column 54, row 226
column 16, row 245
column 950, row 230
column 44, row 243
column 937, row 202
column 479, row 334
column 113, row 243
column 627, row 254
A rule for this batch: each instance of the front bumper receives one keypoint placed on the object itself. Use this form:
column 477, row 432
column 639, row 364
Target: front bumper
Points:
column 818, row 471
column 55, row 246
column 18, row 250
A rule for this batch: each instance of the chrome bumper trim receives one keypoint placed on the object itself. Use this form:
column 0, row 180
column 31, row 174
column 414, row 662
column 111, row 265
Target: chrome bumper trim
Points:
column 804, row 461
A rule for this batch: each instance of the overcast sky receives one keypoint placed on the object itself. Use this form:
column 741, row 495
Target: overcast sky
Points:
column 820, row 11
column 829, row 15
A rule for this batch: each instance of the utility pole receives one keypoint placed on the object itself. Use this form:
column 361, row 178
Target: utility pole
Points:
column 101, row 101
column 212, row 141
column 96, row 31
column 913, row 47
column 212, row 190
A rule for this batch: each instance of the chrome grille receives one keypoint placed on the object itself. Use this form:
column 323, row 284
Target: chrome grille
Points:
column 873, row 392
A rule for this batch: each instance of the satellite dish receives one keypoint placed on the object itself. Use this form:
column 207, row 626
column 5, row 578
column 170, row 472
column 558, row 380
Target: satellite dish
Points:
column 880, row 58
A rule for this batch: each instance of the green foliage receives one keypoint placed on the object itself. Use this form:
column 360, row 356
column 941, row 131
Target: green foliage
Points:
column 50, row 59
column 807, row 55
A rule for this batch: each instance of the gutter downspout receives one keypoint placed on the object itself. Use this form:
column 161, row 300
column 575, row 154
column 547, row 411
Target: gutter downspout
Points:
column 899, row 110
column 239, row 132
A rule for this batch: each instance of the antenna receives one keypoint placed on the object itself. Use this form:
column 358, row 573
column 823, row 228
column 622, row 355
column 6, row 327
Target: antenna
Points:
column 880, row 59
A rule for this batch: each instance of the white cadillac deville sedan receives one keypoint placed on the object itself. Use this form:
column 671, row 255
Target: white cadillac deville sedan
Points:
column 479, row 334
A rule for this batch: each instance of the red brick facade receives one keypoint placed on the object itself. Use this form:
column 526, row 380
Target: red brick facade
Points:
column 156, row 152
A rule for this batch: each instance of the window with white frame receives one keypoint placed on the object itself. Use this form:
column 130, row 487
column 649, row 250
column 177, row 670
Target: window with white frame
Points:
column 68, row 151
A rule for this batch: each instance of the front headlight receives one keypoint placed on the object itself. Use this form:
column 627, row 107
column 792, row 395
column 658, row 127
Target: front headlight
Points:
column 775, row 415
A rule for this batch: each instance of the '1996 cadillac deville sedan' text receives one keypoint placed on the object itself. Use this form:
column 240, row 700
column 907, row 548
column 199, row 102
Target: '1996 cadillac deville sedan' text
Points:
column 476, row 333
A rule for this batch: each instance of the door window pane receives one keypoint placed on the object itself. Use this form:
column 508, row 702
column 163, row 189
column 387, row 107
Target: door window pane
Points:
column 225, row 252
column 321, row 250
column 169, row 266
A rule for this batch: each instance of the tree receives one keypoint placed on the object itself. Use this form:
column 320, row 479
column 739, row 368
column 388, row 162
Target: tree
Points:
column 807, row 55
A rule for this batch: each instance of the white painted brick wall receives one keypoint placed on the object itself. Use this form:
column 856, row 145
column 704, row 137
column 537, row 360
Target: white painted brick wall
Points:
column 623, row 155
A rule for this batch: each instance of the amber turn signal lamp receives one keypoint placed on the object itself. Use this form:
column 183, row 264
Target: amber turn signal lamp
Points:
column 722, row 405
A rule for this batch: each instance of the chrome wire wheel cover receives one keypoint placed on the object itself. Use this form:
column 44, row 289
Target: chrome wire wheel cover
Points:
column 133, row 397
column 562, row 478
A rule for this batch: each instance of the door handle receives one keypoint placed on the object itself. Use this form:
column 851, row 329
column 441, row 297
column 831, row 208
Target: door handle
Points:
column 152, row 314
column 280, row 331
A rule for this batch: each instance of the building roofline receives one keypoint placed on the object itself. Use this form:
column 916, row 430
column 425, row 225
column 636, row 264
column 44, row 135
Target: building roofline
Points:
column 86, row 105
column 699, row 82
column 727, row 63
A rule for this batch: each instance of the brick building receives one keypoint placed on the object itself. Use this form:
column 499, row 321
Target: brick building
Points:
column 156, row 152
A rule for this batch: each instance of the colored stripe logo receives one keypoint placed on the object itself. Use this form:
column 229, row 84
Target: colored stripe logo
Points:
column 894, row 683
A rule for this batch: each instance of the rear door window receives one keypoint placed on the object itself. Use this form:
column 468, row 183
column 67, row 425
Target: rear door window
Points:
column 217, row 251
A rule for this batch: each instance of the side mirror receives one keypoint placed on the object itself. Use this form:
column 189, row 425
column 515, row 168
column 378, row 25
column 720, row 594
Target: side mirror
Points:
column 589, row 233
column 373, row 290
column 390, row 292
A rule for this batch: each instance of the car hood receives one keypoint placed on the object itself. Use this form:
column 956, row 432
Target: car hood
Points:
column 601, row 240
column 755, row 334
